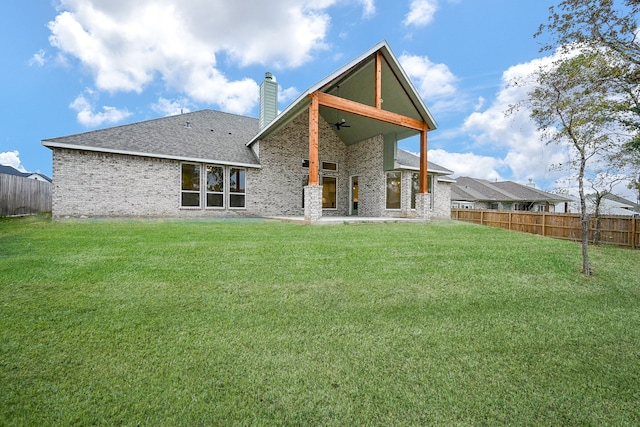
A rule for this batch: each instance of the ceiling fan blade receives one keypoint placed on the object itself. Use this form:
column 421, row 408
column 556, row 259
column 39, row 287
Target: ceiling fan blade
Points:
column 341, row 123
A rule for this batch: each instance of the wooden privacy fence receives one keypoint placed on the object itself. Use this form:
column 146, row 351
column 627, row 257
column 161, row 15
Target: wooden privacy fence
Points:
column 23, row 196
column 614, row 229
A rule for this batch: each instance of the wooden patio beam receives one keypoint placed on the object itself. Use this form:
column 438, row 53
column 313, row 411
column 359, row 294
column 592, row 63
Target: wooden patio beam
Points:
column 422, row 185
column 353, row 107
column 378, row 79
column 313, row 140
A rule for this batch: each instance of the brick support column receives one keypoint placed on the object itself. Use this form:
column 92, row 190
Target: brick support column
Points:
column 312, row 202
column 423, row 206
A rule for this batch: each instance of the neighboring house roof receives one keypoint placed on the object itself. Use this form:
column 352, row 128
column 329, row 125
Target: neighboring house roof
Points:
column 474, row 189
column 38, row 176
column 623, row 201
column 616, row 205
column 408, row 160
column 529, row 193
column 465, row 193
column 355, row 81
column 10, row 170
column 479, row 189
column 201, row 136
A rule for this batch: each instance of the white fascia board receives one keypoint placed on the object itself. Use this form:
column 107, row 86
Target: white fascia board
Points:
column 417, row 169
column 151, row 155
column 446, row 179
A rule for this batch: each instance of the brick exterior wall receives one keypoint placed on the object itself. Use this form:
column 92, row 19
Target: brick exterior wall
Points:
column 277, row 188
column 365, row 160
column 441, row 200
column 92, row 184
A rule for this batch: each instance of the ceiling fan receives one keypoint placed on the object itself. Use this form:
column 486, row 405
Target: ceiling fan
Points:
column 341, row 124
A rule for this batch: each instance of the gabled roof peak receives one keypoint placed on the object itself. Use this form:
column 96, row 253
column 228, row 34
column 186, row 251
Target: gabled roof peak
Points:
column 355, row 82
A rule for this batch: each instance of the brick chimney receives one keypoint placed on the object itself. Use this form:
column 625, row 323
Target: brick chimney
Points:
column 268, row 100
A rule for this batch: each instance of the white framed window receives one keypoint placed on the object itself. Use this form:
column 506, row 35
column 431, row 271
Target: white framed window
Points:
column 215, row 186
column 305, row 182
column 190, row 186
column 394, row 190
column 212, row 186
column 327, row 166
column 329, row 192
column 330, row 166
column 237, row 188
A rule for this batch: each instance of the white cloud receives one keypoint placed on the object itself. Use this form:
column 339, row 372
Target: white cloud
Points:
column 39, row 58
column 527, row 156
column 421, row 12
column 468, row 164
column 12, row 158
column 435, row 82
column 170, row 108
column 369, row 7
column 87, row 117
column 286, row 96
column 521, row 154
column 127, row 45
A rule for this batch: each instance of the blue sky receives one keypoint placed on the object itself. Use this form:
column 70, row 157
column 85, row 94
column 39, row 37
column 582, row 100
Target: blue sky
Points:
column 71, row 66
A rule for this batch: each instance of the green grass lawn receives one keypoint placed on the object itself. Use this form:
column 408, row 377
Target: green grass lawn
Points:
column 265, row 323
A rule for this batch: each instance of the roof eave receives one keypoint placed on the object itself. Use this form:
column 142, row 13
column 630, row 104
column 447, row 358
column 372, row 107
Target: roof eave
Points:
column 430, row 170
column 444, row 178
column 51, row 144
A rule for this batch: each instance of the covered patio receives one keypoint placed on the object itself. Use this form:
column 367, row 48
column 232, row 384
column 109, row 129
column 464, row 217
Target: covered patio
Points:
column 371, row 96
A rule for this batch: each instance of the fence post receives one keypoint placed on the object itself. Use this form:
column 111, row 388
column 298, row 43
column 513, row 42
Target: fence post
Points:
column 544, row 221
column 632, row 239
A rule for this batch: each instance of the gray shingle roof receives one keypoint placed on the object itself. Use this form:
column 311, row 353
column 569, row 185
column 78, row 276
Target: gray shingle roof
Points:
column 206, row 135
column 525, row 192
column 484, row 190
column 410, row 160
column 465, row 193
column 10, row 170
column 622, row 201
column 474, row 189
